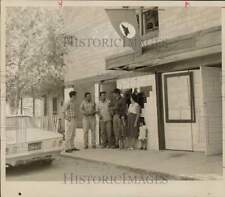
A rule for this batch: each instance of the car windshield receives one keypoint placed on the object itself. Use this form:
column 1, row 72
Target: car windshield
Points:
column 20, row 123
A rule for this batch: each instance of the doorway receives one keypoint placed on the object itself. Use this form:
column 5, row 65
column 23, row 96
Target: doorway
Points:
column 179, row 110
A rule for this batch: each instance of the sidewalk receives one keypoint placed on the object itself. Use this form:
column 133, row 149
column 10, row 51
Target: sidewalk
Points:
column 179, row 165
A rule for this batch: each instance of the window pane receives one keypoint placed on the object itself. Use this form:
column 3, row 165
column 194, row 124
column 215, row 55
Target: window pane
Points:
column 150, row 20
column 179, row 97
column 179, row 105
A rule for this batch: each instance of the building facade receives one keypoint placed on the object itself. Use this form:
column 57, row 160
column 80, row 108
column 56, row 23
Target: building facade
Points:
column 179, row 71
column 47, row 110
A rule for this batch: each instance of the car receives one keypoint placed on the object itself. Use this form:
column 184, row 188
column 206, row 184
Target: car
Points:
column 26, row 143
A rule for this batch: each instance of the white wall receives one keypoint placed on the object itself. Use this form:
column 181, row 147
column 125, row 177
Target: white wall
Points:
column 199, row 142
column 212, row 99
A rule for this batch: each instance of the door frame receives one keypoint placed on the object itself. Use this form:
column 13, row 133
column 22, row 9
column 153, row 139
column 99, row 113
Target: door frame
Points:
column 192, row 97
column 160, row 110
column 160, row 103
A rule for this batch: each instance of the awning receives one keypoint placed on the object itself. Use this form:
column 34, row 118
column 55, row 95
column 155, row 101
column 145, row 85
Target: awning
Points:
column 199, row 44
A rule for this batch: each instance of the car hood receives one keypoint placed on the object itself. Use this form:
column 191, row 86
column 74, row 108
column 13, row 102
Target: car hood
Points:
column 31, row 134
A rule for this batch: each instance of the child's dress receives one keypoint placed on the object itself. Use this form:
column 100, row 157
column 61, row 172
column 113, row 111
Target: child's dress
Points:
column 142, row 132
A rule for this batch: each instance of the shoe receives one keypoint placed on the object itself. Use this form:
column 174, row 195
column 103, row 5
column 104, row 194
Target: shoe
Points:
column 75, row 149
column 93, row 147
column 86, row 147
column 69, row 151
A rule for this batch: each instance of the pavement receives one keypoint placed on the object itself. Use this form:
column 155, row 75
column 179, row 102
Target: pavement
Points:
column 178, row 165
column 174, row 164
column 70, row 170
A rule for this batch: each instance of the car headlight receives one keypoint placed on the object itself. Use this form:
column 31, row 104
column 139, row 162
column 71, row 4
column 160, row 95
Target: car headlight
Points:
column 18, row 148
column 11, row 150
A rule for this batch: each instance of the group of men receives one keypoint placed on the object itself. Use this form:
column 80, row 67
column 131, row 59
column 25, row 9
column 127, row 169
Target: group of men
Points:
column 111, row 115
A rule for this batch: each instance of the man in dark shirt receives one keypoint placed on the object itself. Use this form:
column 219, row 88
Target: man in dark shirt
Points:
column 88, row 110
column 119, row 110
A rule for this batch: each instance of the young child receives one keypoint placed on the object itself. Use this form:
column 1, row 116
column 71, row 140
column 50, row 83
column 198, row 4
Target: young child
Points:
column 143, row 135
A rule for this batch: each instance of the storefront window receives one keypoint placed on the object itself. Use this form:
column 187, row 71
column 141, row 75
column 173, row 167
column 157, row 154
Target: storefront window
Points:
column 179, row 97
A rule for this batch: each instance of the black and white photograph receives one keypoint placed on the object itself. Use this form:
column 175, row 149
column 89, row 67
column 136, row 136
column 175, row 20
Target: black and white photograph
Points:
column 112, row 95
column 127, row 93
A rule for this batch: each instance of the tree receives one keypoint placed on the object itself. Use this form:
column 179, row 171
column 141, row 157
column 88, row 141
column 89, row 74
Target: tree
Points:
column 34, row 52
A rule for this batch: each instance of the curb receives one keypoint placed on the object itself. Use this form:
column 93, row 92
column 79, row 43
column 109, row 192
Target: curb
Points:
column 163, row 175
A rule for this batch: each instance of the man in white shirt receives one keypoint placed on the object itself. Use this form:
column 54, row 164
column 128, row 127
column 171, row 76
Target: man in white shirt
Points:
column 105, row 120
column 71, row 118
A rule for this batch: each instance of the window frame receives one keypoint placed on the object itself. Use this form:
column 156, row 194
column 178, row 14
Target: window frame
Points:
column 140, row 18
column 192, row 99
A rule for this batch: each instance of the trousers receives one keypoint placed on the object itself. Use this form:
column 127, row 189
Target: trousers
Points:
column 106, row 132
column 70, row 134
column 89, row 123
column 118, row 129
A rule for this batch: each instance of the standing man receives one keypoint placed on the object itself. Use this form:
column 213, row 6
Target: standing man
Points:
column 105, row 120
column 71, row 118
column 119, row 109
column 88, row 110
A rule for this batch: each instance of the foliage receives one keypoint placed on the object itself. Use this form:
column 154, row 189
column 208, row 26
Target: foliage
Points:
column 34, row 52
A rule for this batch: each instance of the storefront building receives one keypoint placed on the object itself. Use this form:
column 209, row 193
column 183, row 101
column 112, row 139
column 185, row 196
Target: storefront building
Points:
column 184, row 109
column 179, row 73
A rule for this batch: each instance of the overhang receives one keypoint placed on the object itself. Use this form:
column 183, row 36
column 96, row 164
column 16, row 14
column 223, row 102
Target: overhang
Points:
column 112, row 76
column 201, row 44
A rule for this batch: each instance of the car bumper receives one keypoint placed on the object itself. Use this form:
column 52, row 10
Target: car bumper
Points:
column 29, row 158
